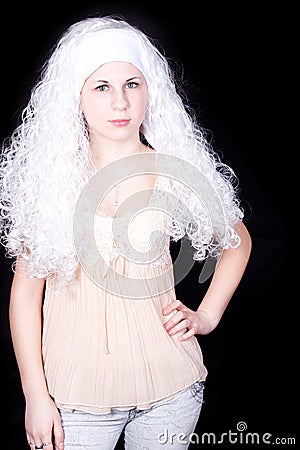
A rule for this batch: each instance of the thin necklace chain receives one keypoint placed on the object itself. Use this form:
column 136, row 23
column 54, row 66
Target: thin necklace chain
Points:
column 116, row 202
column 117, row 189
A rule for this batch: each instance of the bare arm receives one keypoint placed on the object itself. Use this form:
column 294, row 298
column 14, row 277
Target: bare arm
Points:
column 25, row 315
column 226, row 278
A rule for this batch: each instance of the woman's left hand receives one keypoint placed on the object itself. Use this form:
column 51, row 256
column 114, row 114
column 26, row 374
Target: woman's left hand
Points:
column 186, row 321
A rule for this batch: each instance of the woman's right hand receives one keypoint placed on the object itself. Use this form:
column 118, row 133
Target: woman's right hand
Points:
column 42, row 418
column 43, row 423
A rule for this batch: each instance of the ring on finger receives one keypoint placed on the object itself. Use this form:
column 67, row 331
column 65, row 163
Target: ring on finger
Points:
column 43, row 444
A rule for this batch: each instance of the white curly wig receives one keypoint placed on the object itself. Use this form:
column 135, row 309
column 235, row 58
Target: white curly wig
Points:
column 45, row 163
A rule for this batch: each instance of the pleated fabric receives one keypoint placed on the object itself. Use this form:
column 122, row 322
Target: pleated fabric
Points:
column 104, row 344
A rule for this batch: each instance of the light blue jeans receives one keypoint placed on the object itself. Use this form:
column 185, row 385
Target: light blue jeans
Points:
column 168, row 425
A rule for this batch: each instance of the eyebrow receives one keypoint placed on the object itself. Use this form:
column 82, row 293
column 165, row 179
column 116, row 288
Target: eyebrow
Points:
column 126, row 81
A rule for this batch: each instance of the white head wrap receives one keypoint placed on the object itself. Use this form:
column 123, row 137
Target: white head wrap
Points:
column 108, row 46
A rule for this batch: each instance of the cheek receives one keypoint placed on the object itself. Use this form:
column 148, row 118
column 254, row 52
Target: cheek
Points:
column 93, row 111
column 143, row 105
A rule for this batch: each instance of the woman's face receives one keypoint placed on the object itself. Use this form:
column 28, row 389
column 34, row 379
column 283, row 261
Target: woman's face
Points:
column 114, row 100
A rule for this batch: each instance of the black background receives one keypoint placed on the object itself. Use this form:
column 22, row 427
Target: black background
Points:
column 238, row 72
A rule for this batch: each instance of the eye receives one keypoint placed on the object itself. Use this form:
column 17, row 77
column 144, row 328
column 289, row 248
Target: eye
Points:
column 131, row 84
column 102, row 87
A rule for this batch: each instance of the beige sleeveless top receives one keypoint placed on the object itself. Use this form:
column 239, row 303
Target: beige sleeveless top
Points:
column 104, row 344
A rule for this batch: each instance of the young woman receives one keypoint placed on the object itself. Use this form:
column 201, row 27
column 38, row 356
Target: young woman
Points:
column 106, row 166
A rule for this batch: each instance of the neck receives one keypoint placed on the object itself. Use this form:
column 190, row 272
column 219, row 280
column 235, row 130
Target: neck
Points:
column 104, row 154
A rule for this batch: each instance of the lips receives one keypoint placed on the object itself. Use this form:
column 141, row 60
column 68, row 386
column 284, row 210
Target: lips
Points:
column 120, row 122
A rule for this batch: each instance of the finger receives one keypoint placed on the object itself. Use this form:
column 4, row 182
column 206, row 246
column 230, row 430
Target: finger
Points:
column 190, row 333
column 174, row 320
column 29, row 438
column 58, row 435
column 30, row 441
column 182, row 325
column 40, row 445
column 47, row 444
column 174, row 305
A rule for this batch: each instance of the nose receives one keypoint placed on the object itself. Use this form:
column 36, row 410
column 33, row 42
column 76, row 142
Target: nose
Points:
column 119, row 100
